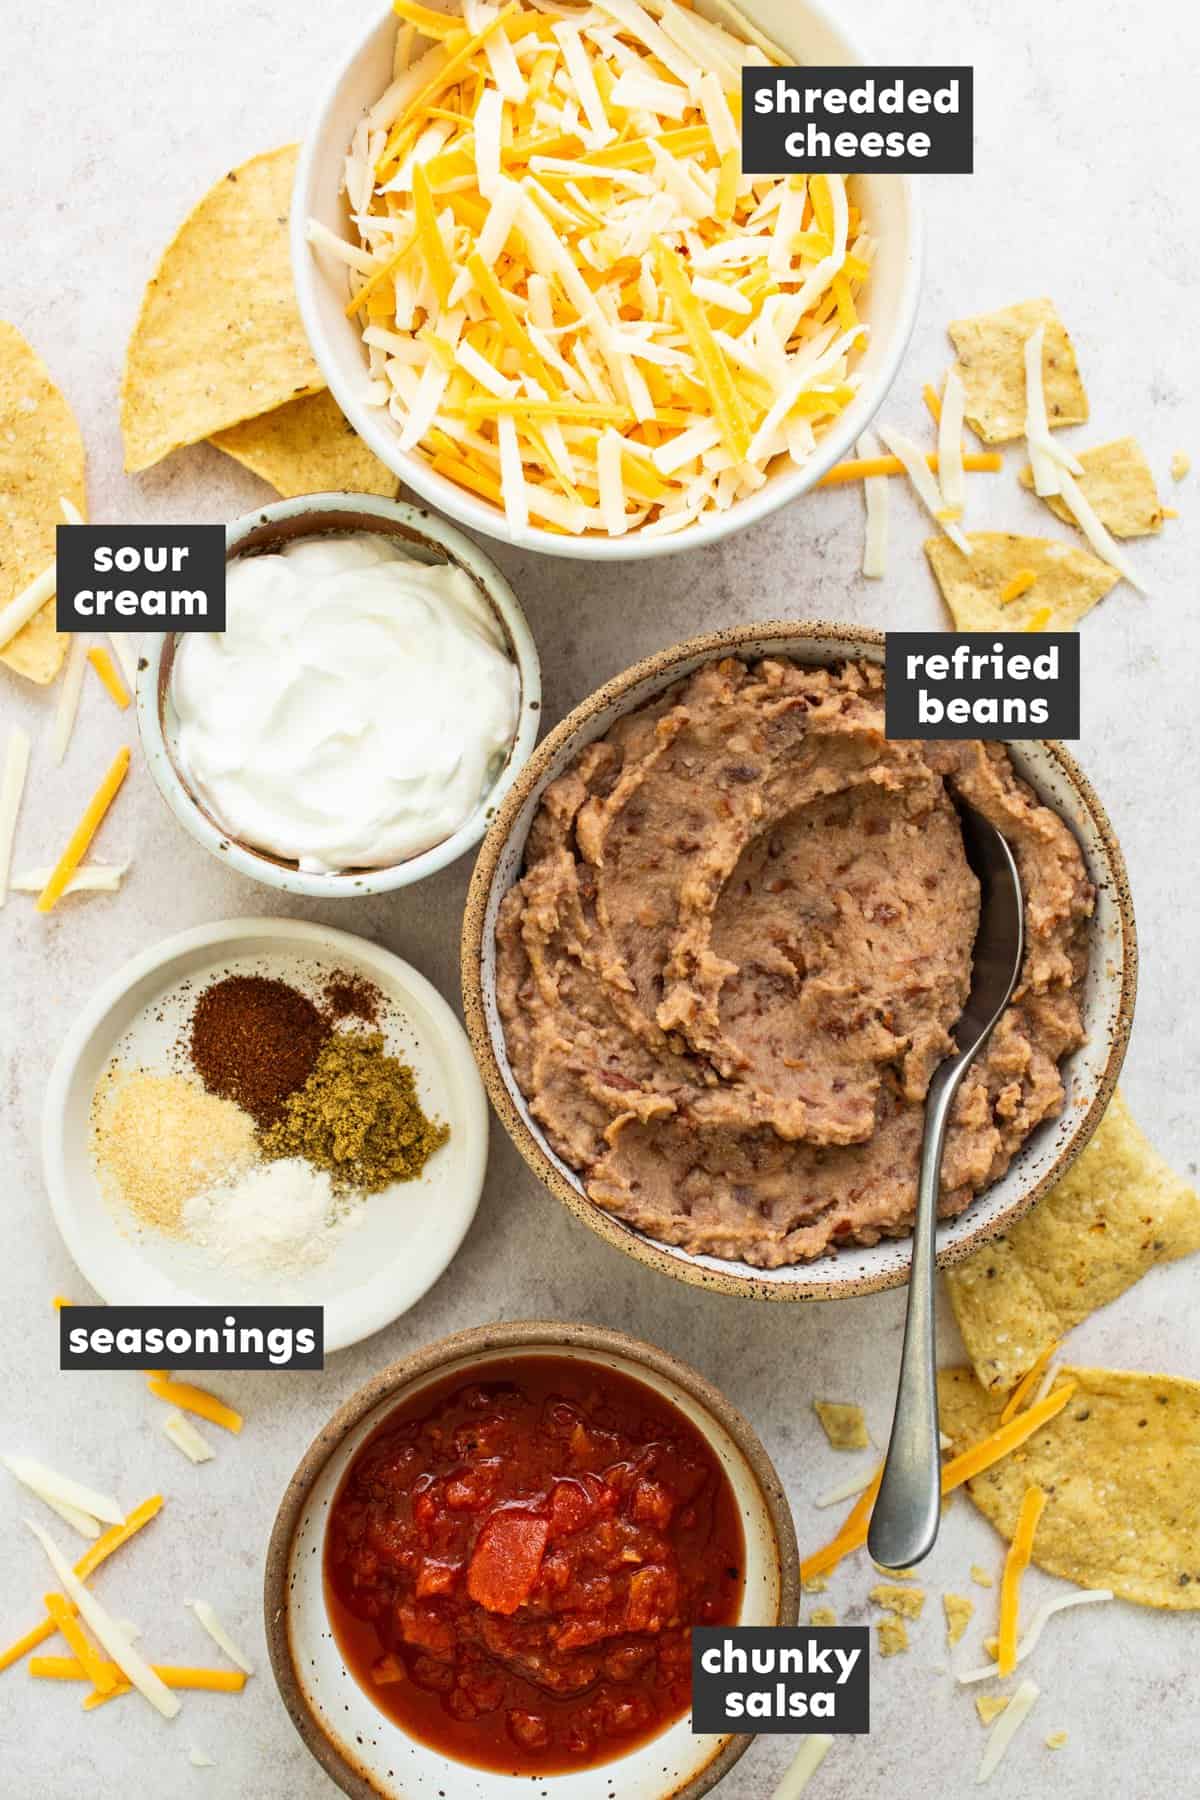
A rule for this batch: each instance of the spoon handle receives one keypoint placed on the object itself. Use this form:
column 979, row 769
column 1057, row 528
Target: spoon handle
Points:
column 904, row 1524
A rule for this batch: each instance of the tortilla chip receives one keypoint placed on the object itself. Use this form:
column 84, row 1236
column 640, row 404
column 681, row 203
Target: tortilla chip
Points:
column 990, row 1706
column 1056, row 1741
column 991, row 361
column 893, row 1635
column 307, row 447
column 41, row 462
column 983, row 1576
column 1121, row 1466
column 845, row 1426
column 219, row 337
column 959, row 1612
column 1181, row 464
column 1068, row 581
column 905, row 1602
column 1116, row 1212
column 1119, row 484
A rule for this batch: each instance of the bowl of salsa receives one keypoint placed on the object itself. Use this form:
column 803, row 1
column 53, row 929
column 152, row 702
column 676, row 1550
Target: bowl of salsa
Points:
column 487, row 1568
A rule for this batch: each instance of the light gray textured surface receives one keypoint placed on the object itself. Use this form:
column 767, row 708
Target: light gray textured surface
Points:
column 115, row 119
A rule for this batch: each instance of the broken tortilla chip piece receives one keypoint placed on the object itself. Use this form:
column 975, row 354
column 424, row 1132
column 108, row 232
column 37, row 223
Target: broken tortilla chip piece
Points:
column 218, row 338
column 845, row 1426
column 893, row 1635
column 1118, row 484
column 990, row 1706
column 991, row 361
column 41, row 462
column 1068, row 581
column 1121, row 1468
column 307, row 447
column 1116, row 1212
column 959, row 1612
column 905, row 1602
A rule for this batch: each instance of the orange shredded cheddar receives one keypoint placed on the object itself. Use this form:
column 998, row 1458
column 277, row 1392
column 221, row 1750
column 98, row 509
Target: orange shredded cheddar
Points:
column 89, row 1562
column 860, row 468
column 429, row 23
column 194, row 1399
column 933, row 401
column 84, row 832
column 1028, row 1383
column 728, row 409
column 1015, row 1565
column 106, row 669
column 1020, row 584
column 374, row 282
column 430, row 237
column 1039, row 620
column 59, row 1301
column 174, row 1675
column 67, row 1623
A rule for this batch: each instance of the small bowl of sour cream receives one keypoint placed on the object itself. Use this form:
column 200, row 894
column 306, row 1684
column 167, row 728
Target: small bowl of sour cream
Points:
column 372, row 698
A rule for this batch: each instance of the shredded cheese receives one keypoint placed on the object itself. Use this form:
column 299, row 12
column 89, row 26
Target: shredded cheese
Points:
column 932, row 400
column 167, row 1675
column 1043, row 458
column 1015, row 1565
column 195, row 1400
column 1020, row 584
column 47, row 1484
column 220, row 1637
column 85, row 831
column 68, row 698
column 875, row 494
column 89, row 878
column 950, row 447
column 103, row 664
column 185, row 1437
column 926, row 488
column 12, row 791
column 102, row 1675
column 21, row 608
column 1096, row 533
column 988, row 462
column 800, row 1771
column 1033, row 1375
column 1005, row 1729
column 1029, row 1643
column 106, row 1631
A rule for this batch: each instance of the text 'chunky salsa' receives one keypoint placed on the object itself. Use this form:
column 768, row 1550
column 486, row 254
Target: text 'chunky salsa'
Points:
column 514, row 1562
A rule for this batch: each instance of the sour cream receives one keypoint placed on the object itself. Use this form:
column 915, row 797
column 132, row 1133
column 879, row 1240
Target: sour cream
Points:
column 356, row 708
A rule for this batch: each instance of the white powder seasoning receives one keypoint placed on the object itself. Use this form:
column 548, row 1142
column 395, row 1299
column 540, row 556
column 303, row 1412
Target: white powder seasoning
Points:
column 279, row 1215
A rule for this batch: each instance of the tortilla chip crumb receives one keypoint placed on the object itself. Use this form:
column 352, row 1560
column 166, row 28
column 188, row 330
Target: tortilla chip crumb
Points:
column 895, row 1574
column 992, row 1646
column 1181, row 464
column 983, row 1577
column 1056, row 1740
column 990, row 1706
column 905, row 1602
column 893, row 1635
column 958, row 1609
column 1118, row 482
column 815, row 1584
column 991, row 362
column 845, row 1426
column 822, row 1615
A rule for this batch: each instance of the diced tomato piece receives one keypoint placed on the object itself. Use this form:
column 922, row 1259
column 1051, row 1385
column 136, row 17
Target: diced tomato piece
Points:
column 387, row 1670
column 652, row 1599
column 506, row 1560
column 423, row 1629
column 436, row 1577
column 529, row 1730
column 653, row 1504
column 571, row 1508
column 471, row 1489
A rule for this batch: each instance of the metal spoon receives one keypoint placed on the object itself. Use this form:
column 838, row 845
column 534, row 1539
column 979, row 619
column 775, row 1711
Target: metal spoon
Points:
column 904, row 1524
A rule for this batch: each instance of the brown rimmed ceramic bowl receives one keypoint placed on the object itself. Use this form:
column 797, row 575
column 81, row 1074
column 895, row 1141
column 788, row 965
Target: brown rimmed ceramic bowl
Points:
column 369, row 1756
column 1090, row 1073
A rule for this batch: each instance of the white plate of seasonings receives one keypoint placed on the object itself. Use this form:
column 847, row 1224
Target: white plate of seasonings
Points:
column 225, row 1122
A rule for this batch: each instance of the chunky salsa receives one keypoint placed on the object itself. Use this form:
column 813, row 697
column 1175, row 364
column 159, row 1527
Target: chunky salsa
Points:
column 514, row 1560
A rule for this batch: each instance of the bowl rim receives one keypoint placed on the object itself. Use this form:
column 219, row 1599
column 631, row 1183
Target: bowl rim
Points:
column 517, row 1337
column 483, row 516
column 407, row 520
column 310, row 939
column 664, row 1258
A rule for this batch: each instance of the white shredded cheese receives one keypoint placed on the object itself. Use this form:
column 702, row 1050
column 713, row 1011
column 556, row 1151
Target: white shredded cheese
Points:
column 22, row 606
column 1095, row 533
column 198, row 1759
column 875, row 496
column 717, row 116
column 489, row 127
column 48, row 1484
column 611, row 483
column 512, row 477
column 88, row 878
column 220, row 1637
column 12, row 790
column 950, row 449
column 921, row 476
column 68, row 697
column 185, row 1437
column 579, row 68
column 1047, row 1382
column 812, row 1753
column 1005, row 1729
column 107, row 1632
column 1045, row 1612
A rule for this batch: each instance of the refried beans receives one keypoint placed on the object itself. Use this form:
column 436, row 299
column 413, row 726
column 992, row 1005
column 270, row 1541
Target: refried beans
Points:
column 741, row 942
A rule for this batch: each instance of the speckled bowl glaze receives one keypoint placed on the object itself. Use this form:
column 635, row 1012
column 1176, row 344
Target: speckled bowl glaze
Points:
column 1090, row 1074
column 426, row 538
column 369, row 1756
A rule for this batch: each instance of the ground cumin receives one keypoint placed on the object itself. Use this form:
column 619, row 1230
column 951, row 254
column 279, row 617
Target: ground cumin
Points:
column 358, row 1116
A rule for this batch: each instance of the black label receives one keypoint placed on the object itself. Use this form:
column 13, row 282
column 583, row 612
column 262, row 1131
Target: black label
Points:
column 758, row 1678
column 849, row 121
column 140, row 578
column 982, row 684
column 191, row 1337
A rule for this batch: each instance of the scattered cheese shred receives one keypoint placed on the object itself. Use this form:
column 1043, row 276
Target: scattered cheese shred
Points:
column 220, row 1637
column 1044, row 1613
column 21, row 608
column 933, row 401
column 1097, row 534
column 800, row 1771
column 862, row 468
column 105, row 668
column 875, row 494
column 104, row 1628
column 1020, row 584
column 1034, row 1374
column 84, row 832
column 87, row 1565
column 102, row 1675
column 198, row 1759
column 195, row 1400
column 1015, row 1565
column 47, row 1484
column 919, row 474
column 12, row 791
column 167, row 1675
column 845, row 1490
column 950, row 446
column 1005, row 1728
column 185, row 1437
column 68, row 698
column 93, row 878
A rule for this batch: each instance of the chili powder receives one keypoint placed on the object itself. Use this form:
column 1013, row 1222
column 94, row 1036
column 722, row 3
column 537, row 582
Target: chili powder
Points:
column 255, row 1041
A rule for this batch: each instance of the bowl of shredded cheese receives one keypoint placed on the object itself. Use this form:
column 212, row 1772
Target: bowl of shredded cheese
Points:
column 543, row 291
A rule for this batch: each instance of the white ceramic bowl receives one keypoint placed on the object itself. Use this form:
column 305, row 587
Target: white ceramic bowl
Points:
column 427, row 539
column 372, row 1758
column 1090, row 1073
column 889, row 303
column 407, row 1235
